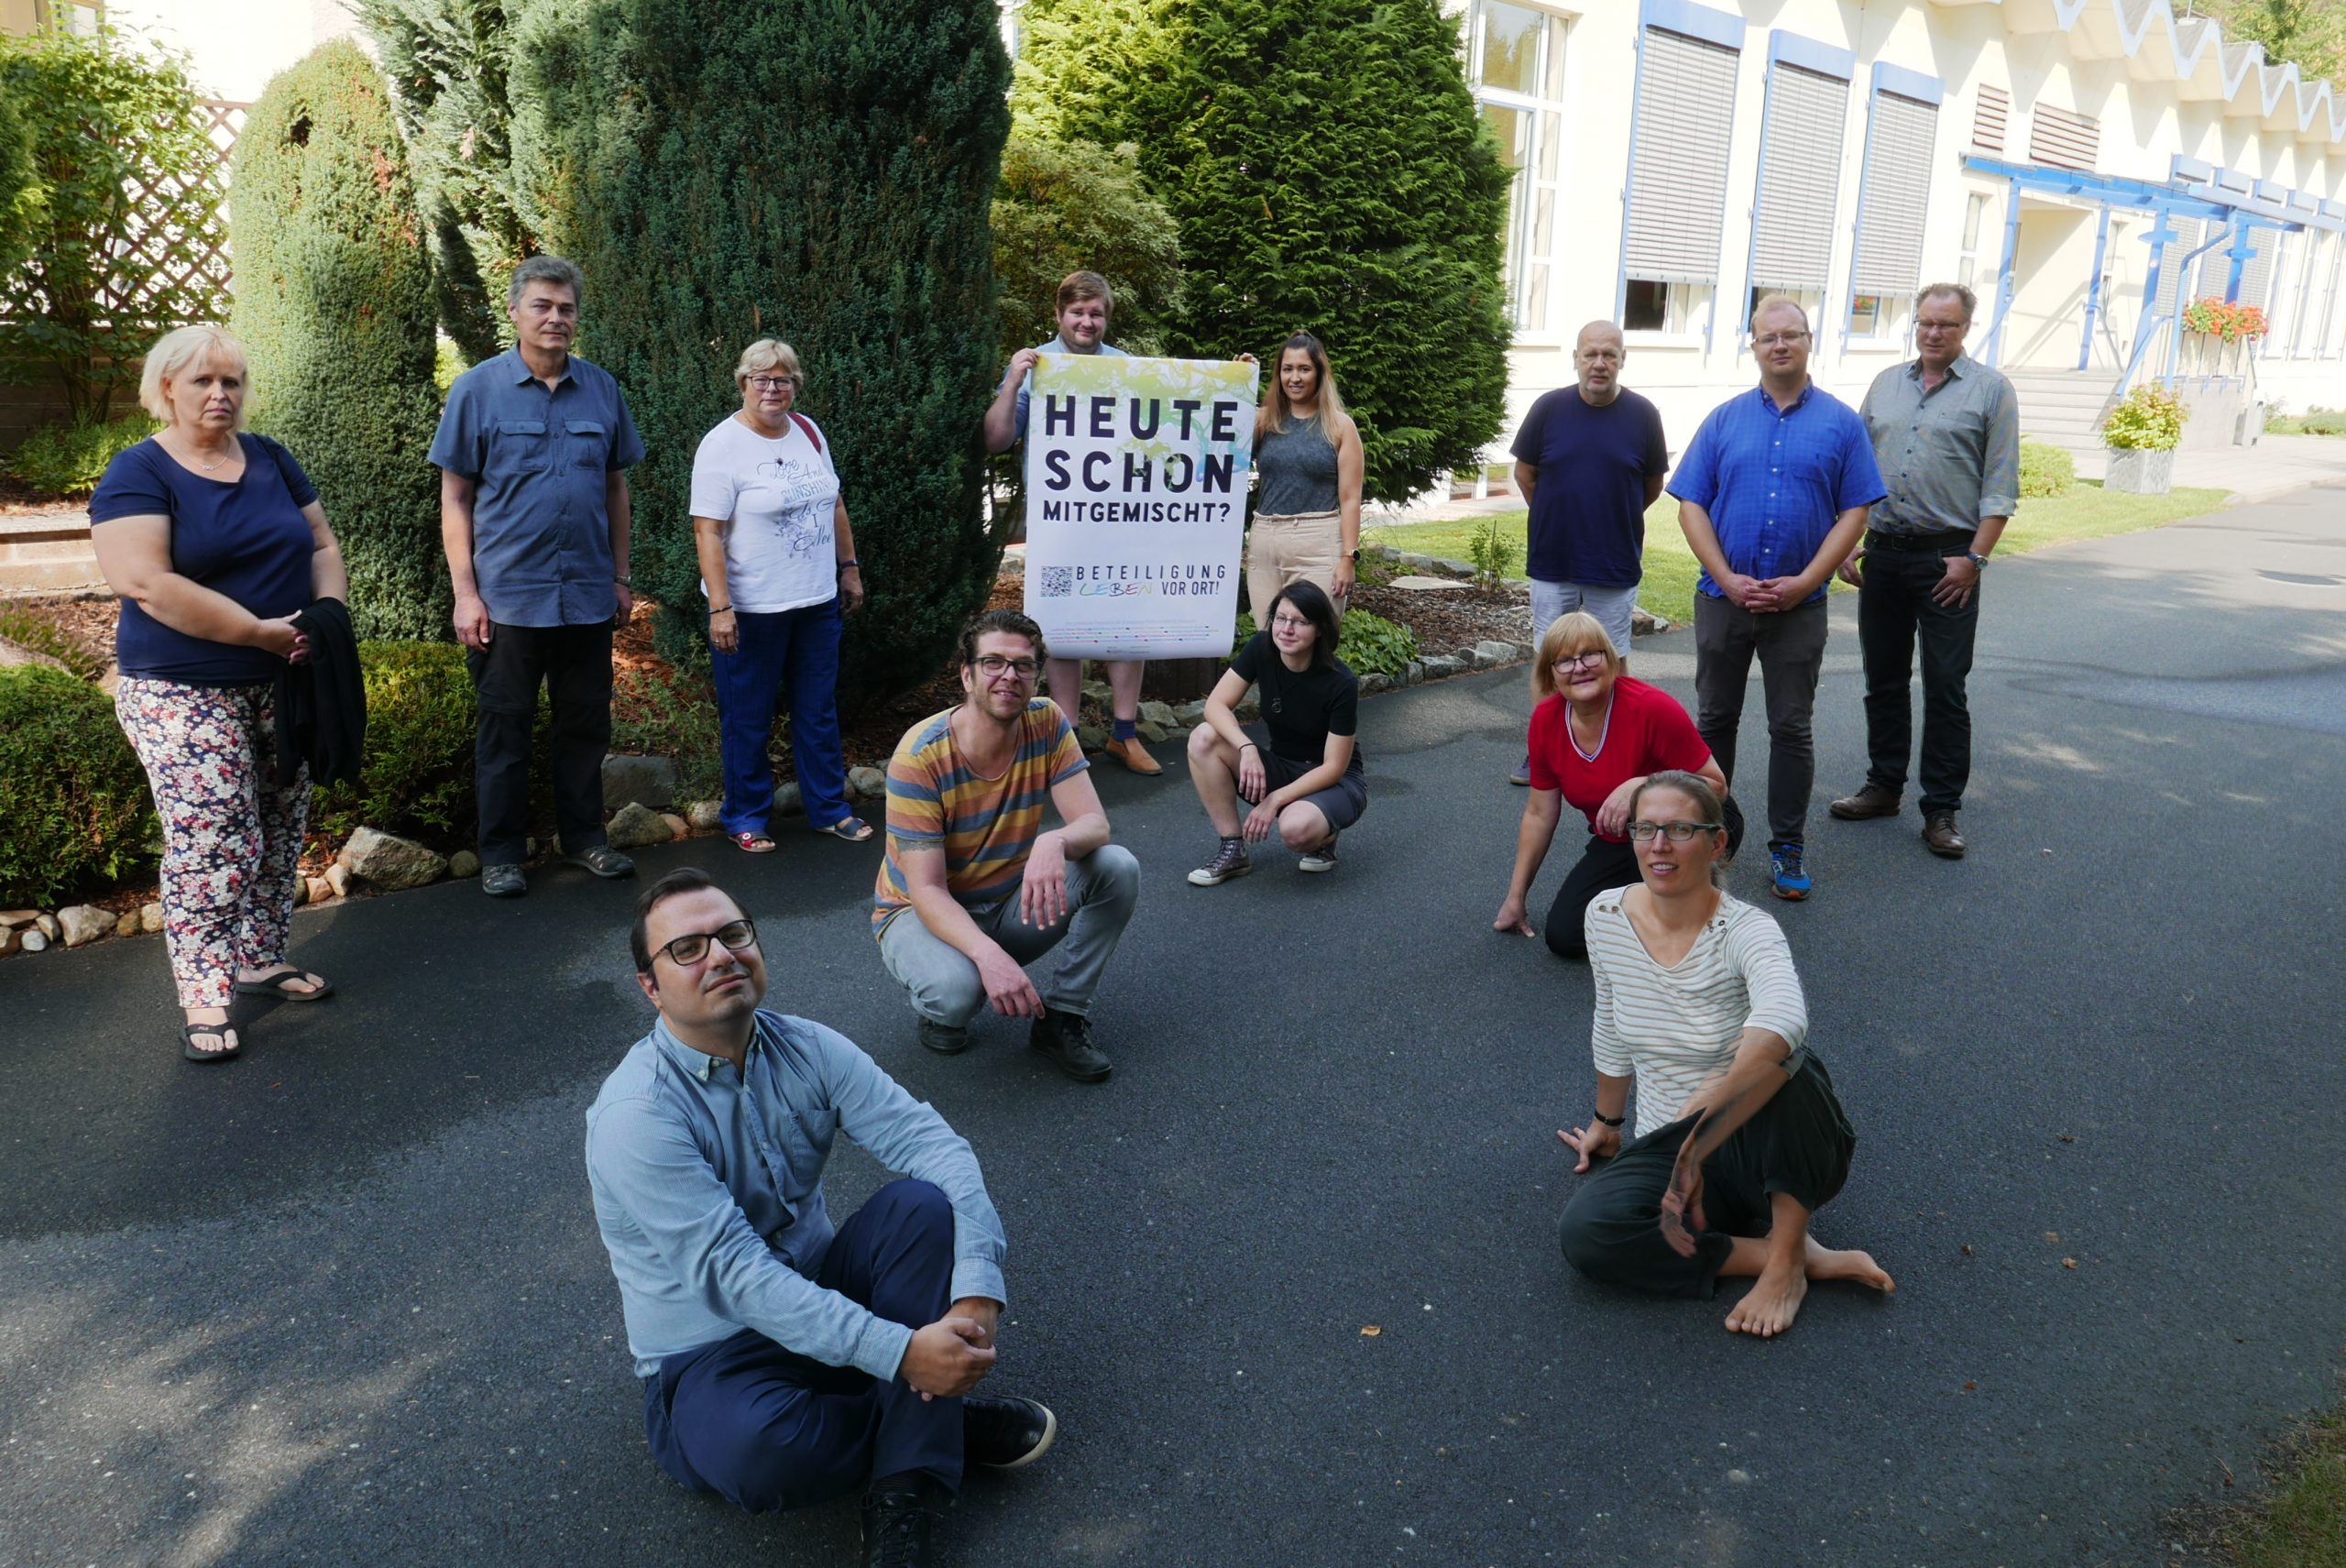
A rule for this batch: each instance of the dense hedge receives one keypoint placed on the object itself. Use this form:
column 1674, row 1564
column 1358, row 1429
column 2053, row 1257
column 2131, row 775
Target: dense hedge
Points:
column 333, row 304
column 2045, row 470
column 1328, row 171
column 73, row 806
column 819, row 173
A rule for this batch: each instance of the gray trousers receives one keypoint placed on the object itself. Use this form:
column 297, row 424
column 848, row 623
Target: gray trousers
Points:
column 1101, row 890
column 1791, row 646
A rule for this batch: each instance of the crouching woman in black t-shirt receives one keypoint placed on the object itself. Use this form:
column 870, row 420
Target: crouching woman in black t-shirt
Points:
column 1308, row 785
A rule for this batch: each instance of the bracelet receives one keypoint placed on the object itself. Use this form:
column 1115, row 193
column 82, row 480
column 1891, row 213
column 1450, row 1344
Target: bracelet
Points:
column 624, row 580
column 851, row 565
column 1244, row 744
column 720, row 609
column 1608, row 1121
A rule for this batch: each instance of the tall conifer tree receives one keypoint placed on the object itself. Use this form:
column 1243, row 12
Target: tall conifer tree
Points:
column 1329, row 174
column 816, row 170
column 333, row 304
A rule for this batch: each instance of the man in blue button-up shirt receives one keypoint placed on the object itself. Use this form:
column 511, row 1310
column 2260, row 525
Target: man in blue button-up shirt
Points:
column 533, row 450
column 1773, row 495
column 786, row 1361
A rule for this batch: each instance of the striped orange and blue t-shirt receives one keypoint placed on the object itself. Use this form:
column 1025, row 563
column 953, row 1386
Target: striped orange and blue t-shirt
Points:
column 986, row 827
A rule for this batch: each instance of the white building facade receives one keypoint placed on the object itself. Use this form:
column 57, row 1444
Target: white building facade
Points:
column 2090, row 168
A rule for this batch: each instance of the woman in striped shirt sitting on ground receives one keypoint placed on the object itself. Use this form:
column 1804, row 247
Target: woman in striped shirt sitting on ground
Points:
column 1740, row 1139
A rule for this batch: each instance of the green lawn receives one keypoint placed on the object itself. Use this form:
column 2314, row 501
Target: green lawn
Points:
column 2301, row 1522
column 2086, row 512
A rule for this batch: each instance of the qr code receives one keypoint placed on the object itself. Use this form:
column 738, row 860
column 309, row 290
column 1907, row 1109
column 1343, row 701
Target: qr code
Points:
column 1059, row 582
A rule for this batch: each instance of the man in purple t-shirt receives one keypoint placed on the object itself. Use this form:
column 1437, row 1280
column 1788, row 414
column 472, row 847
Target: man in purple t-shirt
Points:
column 1589, row 459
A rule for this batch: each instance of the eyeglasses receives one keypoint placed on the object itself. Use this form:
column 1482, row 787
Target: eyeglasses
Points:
column 737, row 936
column 1582, row 660
column 1940, row 326
column 1780, row 340
column 1677, row 832
column 1292, row 622
column 993, row 666
column 772, row 383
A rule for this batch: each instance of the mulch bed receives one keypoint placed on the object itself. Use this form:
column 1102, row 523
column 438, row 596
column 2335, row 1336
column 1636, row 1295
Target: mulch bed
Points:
column 20, row 499
column 1449, row 618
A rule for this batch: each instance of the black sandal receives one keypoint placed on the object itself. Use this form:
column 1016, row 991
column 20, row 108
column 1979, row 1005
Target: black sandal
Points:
column 229, row 1048
column 275, row 985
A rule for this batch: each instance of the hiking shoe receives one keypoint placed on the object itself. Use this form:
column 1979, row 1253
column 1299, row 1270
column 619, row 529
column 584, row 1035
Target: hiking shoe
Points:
column 1066, row 1039
column 1871, row 800
column 1786, row 872
column 1322, row 859
column 1230, row 861
column 603, row 862
column 945, row 1039
column 503, row 882
column 1945, row 840
column 898, row 1525
column 1004, row 1433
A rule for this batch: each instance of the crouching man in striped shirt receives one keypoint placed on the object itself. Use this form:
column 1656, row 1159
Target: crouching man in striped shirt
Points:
column 1740, row 1139
column 973, row 888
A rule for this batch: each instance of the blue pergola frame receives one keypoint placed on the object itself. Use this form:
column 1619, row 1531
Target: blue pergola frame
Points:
column 2234, row 215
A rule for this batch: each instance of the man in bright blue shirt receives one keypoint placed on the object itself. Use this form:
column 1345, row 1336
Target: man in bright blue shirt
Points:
column 533, row 450
column 1773, row 495
column 786, row 1361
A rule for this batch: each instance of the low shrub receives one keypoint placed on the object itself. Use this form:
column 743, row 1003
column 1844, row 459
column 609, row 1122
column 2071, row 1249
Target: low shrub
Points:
column 669, row 713
column 27, row 630
column 2045, row 470
column 416, row 772
column 2313, row 422
column 70, row 459
column 2150, row 419
column 1374, row 645
column 1492, row 552
column 74, row 810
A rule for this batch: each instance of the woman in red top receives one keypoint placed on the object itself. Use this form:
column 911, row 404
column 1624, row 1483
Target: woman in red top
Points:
column 1596, row 735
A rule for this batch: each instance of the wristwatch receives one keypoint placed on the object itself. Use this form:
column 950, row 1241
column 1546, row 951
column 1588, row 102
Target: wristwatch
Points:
column 1979, row 561
column 1354, row 557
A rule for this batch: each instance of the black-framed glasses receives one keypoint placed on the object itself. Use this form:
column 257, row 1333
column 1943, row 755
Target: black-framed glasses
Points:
column 993, row 666
column 736, row 935
column 1676, row 832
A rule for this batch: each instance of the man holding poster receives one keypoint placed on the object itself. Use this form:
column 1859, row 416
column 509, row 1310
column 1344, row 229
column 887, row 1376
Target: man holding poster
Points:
column 1084, row 302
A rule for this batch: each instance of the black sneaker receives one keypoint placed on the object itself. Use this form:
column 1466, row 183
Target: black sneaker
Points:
column 1066, row 1038
column 897, row 1523
column 1005, row 1433
column 945, row 1039
column 603, row 860
column 1230, row 861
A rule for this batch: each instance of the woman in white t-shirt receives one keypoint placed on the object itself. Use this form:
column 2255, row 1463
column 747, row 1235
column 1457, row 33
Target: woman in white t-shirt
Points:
column 777, row 566
column 1740, row 1136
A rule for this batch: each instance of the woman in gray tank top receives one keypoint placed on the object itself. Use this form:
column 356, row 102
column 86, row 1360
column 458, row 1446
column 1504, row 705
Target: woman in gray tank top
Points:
column 1307, row 468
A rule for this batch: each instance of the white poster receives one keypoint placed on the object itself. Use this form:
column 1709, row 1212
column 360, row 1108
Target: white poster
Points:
column 1136, row 503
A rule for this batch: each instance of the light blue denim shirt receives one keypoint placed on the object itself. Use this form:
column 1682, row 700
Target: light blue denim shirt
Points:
column 1053, row 345
column 707, row 1187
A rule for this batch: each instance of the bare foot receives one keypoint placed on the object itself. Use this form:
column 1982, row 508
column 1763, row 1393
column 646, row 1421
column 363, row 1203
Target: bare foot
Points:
column 1825, row 1264
column 1769, row 1308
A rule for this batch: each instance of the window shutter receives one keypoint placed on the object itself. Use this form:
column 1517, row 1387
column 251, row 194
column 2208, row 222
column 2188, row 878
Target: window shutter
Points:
column 1800, row 178
column 2256, row 277
column 1897, row 193
column 1677, row 158
column 2060, row 138
column 1993, row 108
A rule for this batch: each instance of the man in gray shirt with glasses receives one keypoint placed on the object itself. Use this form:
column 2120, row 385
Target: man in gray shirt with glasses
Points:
column 1946, row 431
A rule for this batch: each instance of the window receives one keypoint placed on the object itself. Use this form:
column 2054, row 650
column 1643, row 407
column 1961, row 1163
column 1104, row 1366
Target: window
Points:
column 1678, row 157
column 1519, row 73
column 1880, row 315
column 1893, row 195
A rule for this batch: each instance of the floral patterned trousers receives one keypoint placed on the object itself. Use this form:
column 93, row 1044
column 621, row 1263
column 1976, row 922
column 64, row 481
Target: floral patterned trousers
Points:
column 232, row 838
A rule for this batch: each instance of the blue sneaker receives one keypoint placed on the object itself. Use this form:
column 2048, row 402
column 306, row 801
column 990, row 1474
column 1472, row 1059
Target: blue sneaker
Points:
column 1787, row 873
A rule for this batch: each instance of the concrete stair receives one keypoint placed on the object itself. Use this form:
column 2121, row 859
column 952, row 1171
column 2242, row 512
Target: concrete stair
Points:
column 44, row 554
column 2064, row 408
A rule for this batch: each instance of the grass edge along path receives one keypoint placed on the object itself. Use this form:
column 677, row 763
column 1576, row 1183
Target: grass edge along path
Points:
column 2087, row 512
column 2297, row 1520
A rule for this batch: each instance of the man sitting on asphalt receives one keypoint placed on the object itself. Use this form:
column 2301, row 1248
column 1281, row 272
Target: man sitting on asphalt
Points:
column 785, row 1362
column 972, row 888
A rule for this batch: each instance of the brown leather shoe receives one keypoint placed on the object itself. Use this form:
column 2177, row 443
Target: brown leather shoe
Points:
column 1135, row 756
column 1941, row 834
column 1871, row 801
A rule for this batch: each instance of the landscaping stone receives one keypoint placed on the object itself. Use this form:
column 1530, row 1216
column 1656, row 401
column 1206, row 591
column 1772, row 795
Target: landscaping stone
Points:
column 32, row 940
column 12, row 919
column 388, row 861
column 705, row 815
column 1090, row 737
column 1189, row 714
column 79, row 923
column 1414, row 561
column 464, row 864
column 1374, row 682
column 1417, row 585
column 786, row 799
column 871, row 783
column 1247, row 711
column 127, row 923
column 320, row 889
column 301, row 891
column 1492, row 653
column 151, row 916
column 645, row 781
column 1439, row 666
column 634, row 825
column 1150, row 730
column 337, row 881
column 10, row 939
column 1100, row 692
column 1413, row 672
column 677, row 826
column 1159, row 714
column 46, row 925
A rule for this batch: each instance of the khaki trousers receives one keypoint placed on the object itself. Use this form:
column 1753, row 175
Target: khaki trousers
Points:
column 1303, row 547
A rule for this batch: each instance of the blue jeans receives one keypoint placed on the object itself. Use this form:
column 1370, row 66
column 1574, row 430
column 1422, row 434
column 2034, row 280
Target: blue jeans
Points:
column 767, row 1429
column 798, row 648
